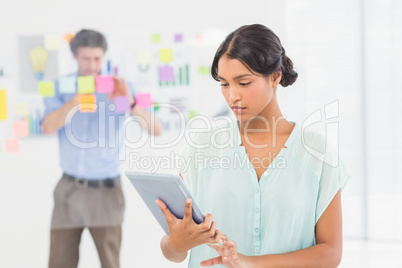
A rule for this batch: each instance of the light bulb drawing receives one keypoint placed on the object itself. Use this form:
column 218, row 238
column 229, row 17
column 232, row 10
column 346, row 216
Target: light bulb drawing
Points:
column 38, row 58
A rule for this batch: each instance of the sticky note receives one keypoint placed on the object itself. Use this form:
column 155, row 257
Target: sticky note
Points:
column 3, row 104
column 143, row 100
column 144, row 56
column 122, row 104
column 21, row 109
column 68, row 36
column 52, row 42
column 166, row 73
column 21, row 128
column 204, row 70
column 191, row 114
column 87, row 103
column 67, row 85
column 46, row 88
column 86, row 84
column 178, row 38
column 104, row 83
column 156, row 38
column 12, row 145
column 166, row 55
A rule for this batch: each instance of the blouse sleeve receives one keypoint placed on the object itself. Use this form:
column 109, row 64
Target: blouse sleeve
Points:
column 334, row 176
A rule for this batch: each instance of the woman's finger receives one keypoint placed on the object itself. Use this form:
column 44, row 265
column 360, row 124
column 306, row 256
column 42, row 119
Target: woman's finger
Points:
column 210, row 262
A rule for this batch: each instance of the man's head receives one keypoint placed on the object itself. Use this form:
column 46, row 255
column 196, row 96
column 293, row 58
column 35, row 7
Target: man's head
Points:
column 88, row 48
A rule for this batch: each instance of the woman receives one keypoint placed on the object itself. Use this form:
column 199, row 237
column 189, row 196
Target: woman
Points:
column 274, row 203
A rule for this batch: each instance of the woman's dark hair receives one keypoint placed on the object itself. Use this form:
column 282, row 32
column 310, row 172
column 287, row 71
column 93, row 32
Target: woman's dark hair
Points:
column 259, row 49
column 87, row 38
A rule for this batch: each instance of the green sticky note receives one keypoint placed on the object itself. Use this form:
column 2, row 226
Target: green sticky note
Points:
column 86, row 84
column 203, row 70
column 191, row 114
column 46, row 88
column 156, row 38
column 166, row 55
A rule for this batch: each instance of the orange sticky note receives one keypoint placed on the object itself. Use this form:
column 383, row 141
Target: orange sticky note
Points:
column 87, row 103
column 3, row 104
column 68, row 36
column 21, row 128
column 12, row 145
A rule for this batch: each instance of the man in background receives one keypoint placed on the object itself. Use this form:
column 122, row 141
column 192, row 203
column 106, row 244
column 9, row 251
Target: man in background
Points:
column 89, row 194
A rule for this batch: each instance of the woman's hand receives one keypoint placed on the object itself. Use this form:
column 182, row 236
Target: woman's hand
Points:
column 185, row 234
column 229, row 256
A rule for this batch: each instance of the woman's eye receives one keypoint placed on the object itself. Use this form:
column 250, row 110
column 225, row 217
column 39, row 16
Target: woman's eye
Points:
column 245, row 84
column 224, row 85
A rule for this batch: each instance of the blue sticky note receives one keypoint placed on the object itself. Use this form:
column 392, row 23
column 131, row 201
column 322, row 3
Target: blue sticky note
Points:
column 67, row 85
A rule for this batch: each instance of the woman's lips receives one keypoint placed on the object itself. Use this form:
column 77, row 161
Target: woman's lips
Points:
column 238, row 109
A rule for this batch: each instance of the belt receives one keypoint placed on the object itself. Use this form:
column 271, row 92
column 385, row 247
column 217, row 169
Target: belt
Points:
column 85, row 183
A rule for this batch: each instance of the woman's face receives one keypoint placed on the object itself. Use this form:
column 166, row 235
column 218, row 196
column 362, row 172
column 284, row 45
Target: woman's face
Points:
column 246, row 93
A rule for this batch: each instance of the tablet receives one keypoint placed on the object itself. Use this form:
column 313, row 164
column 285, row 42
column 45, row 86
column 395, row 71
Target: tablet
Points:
column 168, row 188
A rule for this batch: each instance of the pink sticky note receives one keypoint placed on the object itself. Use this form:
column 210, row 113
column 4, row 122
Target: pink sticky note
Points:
column 12, row 145
column 104, row 83
column 166, row 74
column 143, row 100
column 20, row 128
column 122, row 104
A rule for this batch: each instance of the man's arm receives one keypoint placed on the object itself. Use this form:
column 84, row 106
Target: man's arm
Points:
column 57, row 119
column 147, row 121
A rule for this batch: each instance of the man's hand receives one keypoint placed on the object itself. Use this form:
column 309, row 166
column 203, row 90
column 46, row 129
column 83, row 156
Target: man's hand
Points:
column 120, row 89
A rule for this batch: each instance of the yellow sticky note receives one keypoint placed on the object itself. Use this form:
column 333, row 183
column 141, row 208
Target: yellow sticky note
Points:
column 52, row 42
column 86, row 84
column 166, row 55
column 87, row 103
column 21, row 109
column 156, row 38
column 46, row 88
column 144, row 56
column 3, row 104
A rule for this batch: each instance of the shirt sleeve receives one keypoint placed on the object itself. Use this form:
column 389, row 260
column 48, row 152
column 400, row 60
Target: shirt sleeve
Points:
column 334, row 176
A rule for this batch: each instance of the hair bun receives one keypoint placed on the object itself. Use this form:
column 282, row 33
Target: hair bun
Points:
column 289, row 75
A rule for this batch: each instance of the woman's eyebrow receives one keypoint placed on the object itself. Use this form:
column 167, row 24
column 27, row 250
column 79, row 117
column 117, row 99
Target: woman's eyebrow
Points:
column 237, row 77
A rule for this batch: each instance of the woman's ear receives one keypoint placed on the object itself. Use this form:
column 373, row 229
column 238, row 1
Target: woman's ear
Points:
column 276, row 79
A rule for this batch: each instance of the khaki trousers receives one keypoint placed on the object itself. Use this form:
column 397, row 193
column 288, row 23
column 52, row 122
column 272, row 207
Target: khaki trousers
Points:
column 64, row 249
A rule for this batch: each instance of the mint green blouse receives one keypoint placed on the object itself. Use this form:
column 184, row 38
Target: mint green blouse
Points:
column 274, row 215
